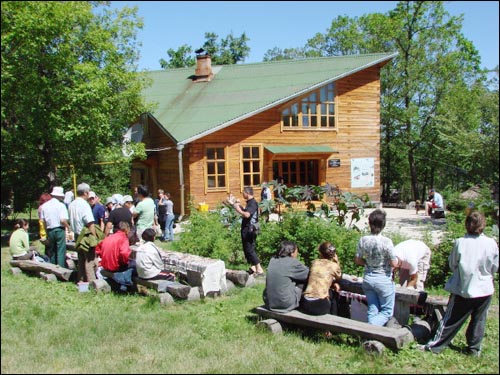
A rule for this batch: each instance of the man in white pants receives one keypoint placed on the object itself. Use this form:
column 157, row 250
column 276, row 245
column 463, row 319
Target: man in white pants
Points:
column 413, row 263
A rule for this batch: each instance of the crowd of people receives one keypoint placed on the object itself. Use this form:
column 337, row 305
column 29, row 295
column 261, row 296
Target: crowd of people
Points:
column 104, row 236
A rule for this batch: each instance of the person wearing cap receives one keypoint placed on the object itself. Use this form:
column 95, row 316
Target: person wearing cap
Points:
column 80, row 217
column 119, row 213
column 68, row 197
column 56, row 220
column 98, row 210
column 413, row 258
column 128, row 202
column 108, row 208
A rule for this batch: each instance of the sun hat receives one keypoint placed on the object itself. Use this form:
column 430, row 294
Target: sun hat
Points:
column 57, row 191
column 117, row 198
column 127, row 198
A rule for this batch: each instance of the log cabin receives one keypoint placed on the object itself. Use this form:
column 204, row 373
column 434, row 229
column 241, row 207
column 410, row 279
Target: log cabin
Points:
column 217, row 129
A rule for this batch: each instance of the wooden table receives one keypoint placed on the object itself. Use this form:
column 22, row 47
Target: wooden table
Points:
column 404, row 296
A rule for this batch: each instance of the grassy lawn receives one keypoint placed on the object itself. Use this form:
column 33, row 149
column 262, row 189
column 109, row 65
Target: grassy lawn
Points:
column 52, row 328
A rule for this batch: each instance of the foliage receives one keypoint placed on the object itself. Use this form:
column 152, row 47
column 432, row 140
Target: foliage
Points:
column 334, row 203
column 178, row 59
column 211, row 235
column 439, row 119
column 278, row 54
column 227, row 51
column 69, row 90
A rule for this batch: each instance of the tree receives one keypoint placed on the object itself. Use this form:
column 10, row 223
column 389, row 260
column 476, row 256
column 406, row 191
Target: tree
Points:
column 277, row 54
column 433, row 57
column 69, row 89
column 178, row 59
column 229, row 50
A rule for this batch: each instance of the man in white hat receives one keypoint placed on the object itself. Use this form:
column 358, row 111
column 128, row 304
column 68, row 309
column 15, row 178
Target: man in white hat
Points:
column 55, row 218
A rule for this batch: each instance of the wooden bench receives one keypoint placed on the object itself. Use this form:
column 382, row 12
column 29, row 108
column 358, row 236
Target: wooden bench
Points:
column 394, row 338
column 174, row 288
column 438, row 213
column 63, row 274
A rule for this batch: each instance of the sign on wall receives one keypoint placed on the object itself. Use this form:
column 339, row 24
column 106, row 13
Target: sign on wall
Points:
column 362, row 172
column 332, row 163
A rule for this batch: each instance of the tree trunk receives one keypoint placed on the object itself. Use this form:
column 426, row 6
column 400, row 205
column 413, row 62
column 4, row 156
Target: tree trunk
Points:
column 413, row 174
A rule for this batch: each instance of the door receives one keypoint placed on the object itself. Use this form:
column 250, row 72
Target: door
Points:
column 296, row 172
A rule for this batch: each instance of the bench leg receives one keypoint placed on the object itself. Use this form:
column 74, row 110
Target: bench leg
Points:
column 402, row 312
column 373, row 347
column 271, row 325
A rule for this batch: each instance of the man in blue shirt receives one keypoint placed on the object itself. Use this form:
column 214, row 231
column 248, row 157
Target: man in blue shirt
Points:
column 435, row 201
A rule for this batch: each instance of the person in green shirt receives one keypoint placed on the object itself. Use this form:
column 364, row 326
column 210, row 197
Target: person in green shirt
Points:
column 19, row 242
column 144, row 213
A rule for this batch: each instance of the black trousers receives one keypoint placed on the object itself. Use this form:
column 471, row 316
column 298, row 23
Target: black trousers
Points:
column 457, row 312
column 249, row 246
column 320, row 306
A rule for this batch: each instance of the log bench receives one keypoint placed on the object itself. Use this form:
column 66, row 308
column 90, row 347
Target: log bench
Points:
column 394, row 338
column 174, row 288
column 62, row 274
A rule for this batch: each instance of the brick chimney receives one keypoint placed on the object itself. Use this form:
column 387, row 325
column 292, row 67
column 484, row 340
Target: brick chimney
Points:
column 203, row 71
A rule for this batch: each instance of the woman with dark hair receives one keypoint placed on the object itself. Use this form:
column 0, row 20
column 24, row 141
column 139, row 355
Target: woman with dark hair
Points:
column 285, row 279
column 149, row 262
column 323, row 282
column 375, row 252
column 474, row 262
column 19, row 242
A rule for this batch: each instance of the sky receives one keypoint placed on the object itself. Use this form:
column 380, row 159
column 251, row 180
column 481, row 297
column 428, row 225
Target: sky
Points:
column 283, row 24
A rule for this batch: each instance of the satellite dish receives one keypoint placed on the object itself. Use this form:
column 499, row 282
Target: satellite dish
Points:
column 132, row 135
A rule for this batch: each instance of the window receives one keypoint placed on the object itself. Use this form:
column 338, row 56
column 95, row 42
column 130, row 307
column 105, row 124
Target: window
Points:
column 251, row 165
column 314, row 112
column 216, row 168
column 297, row 172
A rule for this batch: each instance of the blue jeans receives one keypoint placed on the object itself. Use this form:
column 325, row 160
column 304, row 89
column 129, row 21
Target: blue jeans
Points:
column 380, row 294
column 169, row 227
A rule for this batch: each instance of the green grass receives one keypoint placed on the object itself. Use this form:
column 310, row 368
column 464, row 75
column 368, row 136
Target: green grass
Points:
column 52, row 328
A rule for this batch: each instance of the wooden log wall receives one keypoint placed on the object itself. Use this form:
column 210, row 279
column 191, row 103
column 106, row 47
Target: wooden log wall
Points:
column 358, row 136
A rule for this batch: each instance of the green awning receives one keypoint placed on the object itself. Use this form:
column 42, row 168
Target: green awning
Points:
column 312, row 149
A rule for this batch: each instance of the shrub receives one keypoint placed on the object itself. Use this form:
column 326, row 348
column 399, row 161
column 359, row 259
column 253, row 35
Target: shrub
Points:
column 208, row 235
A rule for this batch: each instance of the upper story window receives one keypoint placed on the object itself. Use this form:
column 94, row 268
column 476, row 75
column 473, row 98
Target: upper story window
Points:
column 251, row 165
column 216, row 168
column 313, row 112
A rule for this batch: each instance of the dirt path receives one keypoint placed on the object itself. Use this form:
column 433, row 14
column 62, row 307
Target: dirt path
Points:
column 408, row 223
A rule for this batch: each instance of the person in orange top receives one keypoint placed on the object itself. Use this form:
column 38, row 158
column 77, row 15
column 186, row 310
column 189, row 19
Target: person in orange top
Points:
column 323, row 283
column 114, row 250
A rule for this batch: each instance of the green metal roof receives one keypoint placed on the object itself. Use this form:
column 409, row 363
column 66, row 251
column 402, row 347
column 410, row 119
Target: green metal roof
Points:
column 300, row 149
column 188, row 110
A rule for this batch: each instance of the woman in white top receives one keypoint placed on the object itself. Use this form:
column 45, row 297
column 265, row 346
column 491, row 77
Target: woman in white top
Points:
column 149, row 263
column 474, row 262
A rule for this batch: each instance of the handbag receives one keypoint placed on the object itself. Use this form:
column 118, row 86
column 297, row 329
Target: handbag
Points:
column 255, row 228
